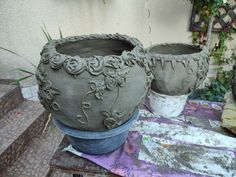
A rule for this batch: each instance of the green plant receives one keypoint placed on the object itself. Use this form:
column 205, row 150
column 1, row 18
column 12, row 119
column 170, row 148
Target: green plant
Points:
column 29, row 73
column 208, row 7
column 221, row 84
column 217, row 88
column 214, row 92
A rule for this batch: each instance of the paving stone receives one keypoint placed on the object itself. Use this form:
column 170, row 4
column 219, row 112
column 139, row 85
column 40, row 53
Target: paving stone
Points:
column 34, row 162
column 59, row 173
column 10, row 97
column 18, row 127
column 6, row 81
column 30, row 93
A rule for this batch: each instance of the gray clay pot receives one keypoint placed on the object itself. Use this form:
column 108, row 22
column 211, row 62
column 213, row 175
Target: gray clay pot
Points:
column 234, row 82
column 93, row 82
column 178, row 68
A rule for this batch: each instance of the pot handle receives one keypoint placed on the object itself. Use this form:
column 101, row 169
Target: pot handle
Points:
column 209, row 31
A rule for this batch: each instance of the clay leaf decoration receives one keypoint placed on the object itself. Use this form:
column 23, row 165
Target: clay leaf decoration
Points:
column 110, row 82
column 86, row 105
column 129, row 58
column 55, row 106
column 47, row 92
column 45, row 57
column 116, row 78
column 202, row 69
column 152, row 62
column 173, row 63
column 98, row 89
column 184, row 62
column 112, row 119
column 121, row 81
column 162, row 63
column 121, row 78
column 190, row 69
column 79, row 119
column 41, row 76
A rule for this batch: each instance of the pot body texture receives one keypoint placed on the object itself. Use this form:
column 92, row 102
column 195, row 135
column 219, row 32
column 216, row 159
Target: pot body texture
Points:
column 178, row 68
column 234, row 82
column 93, row 82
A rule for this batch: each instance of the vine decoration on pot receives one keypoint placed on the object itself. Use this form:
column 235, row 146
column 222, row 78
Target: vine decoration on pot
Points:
column 114, row 68
column 114, row 78
column 112, row 119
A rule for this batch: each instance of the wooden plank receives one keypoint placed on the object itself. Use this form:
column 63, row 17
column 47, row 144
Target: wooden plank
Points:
column 73, row 164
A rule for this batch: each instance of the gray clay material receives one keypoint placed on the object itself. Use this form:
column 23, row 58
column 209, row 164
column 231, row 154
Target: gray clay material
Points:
column 234, row 82
column 177, row 68
column 93, row 82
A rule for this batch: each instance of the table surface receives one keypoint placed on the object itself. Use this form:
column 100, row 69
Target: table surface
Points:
column 70, row 163
column 196, row 129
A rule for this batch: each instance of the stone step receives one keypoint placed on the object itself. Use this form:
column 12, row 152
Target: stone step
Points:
column 10, row 97
column 58, row 173
column 34, row 162
column 17, row 128
column 6, row 81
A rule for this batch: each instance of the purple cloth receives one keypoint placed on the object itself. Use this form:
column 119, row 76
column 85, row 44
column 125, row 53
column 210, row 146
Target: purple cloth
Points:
column 192, row 144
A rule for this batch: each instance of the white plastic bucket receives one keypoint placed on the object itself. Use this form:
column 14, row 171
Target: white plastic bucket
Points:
column 166, row 105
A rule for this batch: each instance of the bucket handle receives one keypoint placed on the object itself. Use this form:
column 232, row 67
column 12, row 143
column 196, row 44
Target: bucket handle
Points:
column 209, row 31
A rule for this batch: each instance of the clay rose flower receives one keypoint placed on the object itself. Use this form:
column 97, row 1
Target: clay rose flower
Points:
column 110, row 82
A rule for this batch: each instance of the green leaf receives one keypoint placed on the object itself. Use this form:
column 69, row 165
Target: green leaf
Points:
column 10, row 51
column 61, row 36
column 14, row 53
column 17, row 82
column 45, row 34
column 49, row 36
column 25, row 71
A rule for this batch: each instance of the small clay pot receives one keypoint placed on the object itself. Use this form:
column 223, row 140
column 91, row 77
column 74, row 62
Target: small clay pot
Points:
column 93, row 82
column 234, row 82
column 178, row 68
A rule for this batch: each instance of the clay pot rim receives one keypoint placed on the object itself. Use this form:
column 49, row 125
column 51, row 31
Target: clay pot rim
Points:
column 53, row 44
column 56, row 60
column 203, row 52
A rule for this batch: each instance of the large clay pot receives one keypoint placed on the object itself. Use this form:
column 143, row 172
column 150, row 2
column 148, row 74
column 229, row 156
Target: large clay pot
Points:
column 234, row 82
column 93, row 82
column 178, row 68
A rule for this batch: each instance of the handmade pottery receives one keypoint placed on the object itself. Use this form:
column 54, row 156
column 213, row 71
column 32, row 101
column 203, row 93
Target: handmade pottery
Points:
column 167, row 106
column 178, row 68
column 93, row 82
column 234, row 82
